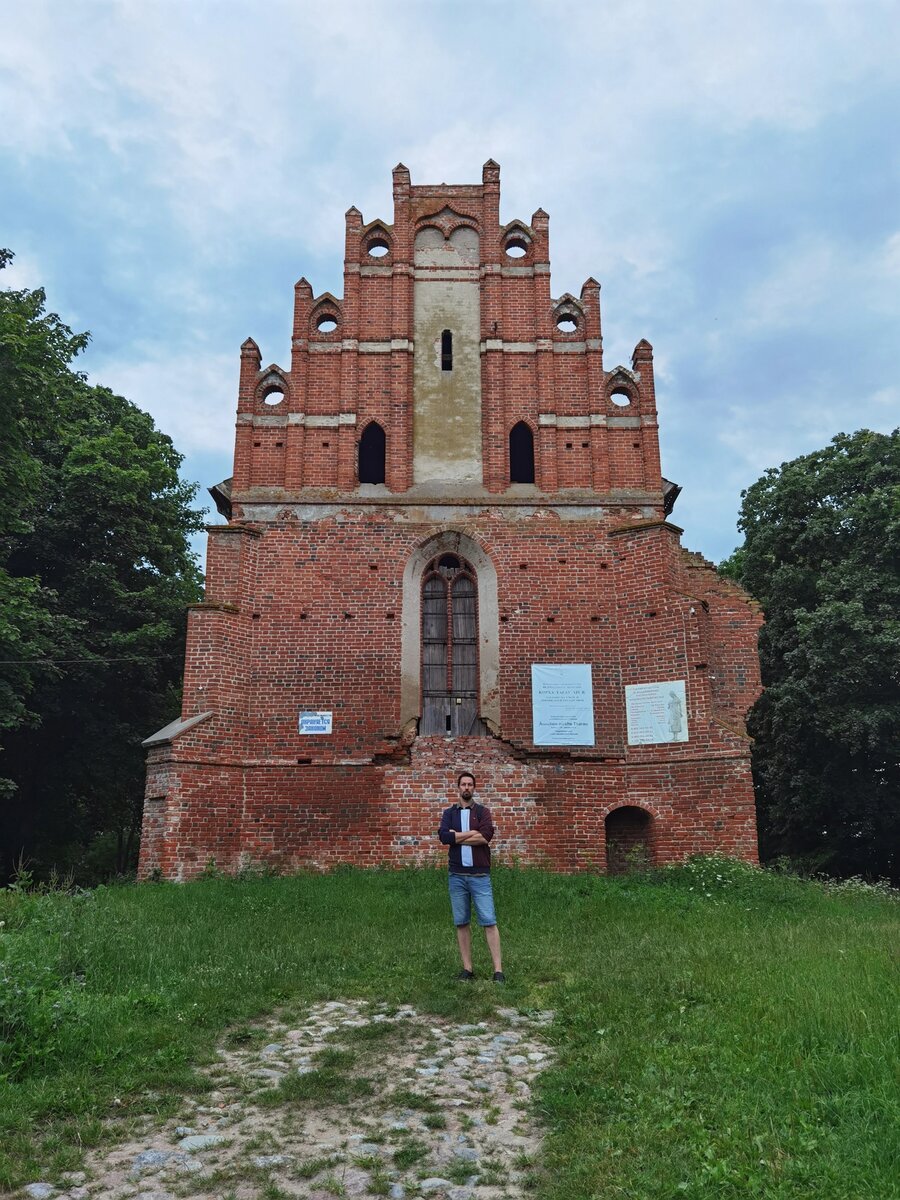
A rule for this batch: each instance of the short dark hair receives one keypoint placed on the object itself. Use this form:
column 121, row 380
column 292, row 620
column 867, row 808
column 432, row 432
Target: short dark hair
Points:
column 465, row 775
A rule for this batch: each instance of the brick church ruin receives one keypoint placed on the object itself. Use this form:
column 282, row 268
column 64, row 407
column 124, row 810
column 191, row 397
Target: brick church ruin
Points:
column 448, row 545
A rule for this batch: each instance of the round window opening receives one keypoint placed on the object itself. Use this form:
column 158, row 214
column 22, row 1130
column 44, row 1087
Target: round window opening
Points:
column 272, row 398
column 516, row 247
column 377, row 248
column 566, row 323
column 621, row 399
column 326, row 323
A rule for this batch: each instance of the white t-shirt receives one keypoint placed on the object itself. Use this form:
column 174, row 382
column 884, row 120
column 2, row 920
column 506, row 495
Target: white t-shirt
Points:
column 465, row 851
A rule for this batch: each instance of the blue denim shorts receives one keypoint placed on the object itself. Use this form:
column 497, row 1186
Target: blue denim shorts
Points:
column 464, row 889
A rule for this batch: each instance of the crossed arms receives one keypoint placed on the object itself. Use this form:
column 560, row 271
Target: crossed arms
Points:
column 470, row 838
column 480, row 835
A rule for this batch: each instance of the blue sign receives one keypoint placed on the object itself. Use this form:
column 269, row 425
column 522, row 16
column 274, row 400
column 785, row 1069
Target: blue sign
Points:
column 315, row 722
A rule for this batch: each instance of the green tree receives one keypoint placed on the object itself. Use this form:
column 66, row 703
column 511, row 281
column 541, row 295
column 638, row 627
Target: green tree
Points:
column 96, row 572
column 35, row 351
column 822, row 555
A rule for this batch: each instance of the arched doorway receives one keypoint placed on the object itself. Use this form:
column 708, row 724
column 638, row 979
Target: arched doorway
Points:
column 450, row 694
column 629, row 840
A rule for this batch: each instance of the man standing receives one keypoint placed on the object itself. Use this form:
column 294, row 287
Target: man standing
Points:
column 466, row 828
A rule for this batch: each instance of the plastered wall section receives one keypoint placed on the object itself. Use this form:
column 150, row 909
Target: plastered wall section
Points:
column 447, row 414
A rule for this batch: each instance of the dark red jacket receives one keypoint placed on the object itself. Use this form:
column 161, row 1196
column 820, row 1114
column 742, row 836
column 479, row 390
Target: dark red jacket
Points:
column 479, row 822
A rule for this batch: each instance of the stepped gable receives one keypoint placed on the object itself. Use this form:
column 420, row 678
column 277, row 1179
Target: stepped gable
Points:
column 447, row 543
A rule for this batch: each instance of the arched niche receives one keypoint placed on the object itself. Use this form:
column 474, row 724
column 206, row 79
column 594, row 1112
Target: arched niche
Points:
column 433, row 249
column 450, row 541
column 464, row 242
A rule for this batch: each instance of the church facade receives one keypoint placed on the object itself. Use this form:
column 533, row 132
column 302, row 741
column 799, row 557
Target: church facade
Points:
column 447, row 545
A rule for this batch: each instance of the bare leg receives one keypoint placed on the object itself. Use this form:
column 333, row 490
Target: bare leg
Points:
column 464, row 937
column 492, row 935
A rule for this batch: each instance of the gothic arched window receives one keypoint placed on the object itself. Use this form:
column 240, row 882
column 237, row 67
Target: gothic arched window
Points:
column 450, row 699
column 372, row 453
column 521, row 454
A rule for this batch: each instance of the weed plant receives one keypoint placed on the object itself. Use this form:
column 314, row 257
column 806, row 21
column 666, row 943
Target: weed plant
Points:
column 720, row 1031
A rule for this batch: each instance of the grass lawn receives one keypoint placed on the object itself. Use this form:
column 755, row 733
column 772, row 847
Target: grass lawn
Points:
column 720, row 1031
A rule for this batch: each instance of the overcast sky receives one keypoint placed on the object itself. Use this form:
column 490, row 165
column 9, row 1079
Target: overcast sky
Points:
column 729, row 171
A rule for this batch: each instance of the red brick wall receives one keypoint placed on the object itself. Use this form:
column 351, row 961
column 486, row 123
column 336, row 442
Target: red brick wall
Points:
column 305, row 591
column 321, row 629
column 547, row 812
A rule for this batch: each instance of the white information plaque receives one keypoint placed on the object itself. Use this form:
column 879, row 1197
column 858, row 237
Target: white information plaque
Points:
column 656, row 712
column 562, row 704
column 315, row 722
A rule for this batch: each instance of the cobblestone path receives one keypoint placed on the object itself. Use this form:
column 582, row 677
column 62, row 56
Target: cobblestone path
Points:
column 352, row 1099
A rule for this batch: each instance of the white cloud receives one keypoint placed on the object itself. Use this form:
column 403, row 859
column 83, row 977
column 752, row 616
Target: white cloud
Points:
column 816, row 279
column 729, row 65
column 798, row 286
column 231, row 113
column 191, row 398
column 187, row 142
column 888, row 398
column 804, row 424
column 890, row 262
column 23, row 272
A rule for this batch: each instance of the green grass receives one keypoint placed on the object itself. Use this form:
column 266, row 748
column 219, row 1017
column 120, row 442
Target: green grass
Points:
column 324, row 1086
column 406, row 1098
column 461, row 1172
column 720, row 1032
column 409, row 1153
column 313, row 1166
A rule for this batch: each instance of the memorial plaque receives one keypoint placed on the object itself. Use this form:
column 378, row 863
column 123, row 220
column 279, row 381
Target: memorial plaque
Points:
column 656, row 712
column 562, row 704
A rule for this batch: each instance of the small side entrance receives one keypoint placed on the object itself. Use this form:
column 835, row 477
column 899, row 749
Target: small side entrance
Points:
column 450, row 700
column 629, row 840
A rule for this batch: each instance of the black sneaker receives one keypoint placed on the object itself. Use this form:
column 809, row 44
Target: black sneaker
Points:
column 465, row 976
column 499, row 977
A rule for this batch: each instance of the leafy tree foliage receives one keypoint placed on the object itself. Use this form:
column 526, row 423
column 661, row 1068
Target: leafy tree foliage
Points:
column 822, row 555
column 95, row 574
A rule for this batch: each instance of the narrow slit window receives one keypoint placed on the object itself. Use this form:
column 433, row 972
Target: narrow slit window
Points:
column 446, row 350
